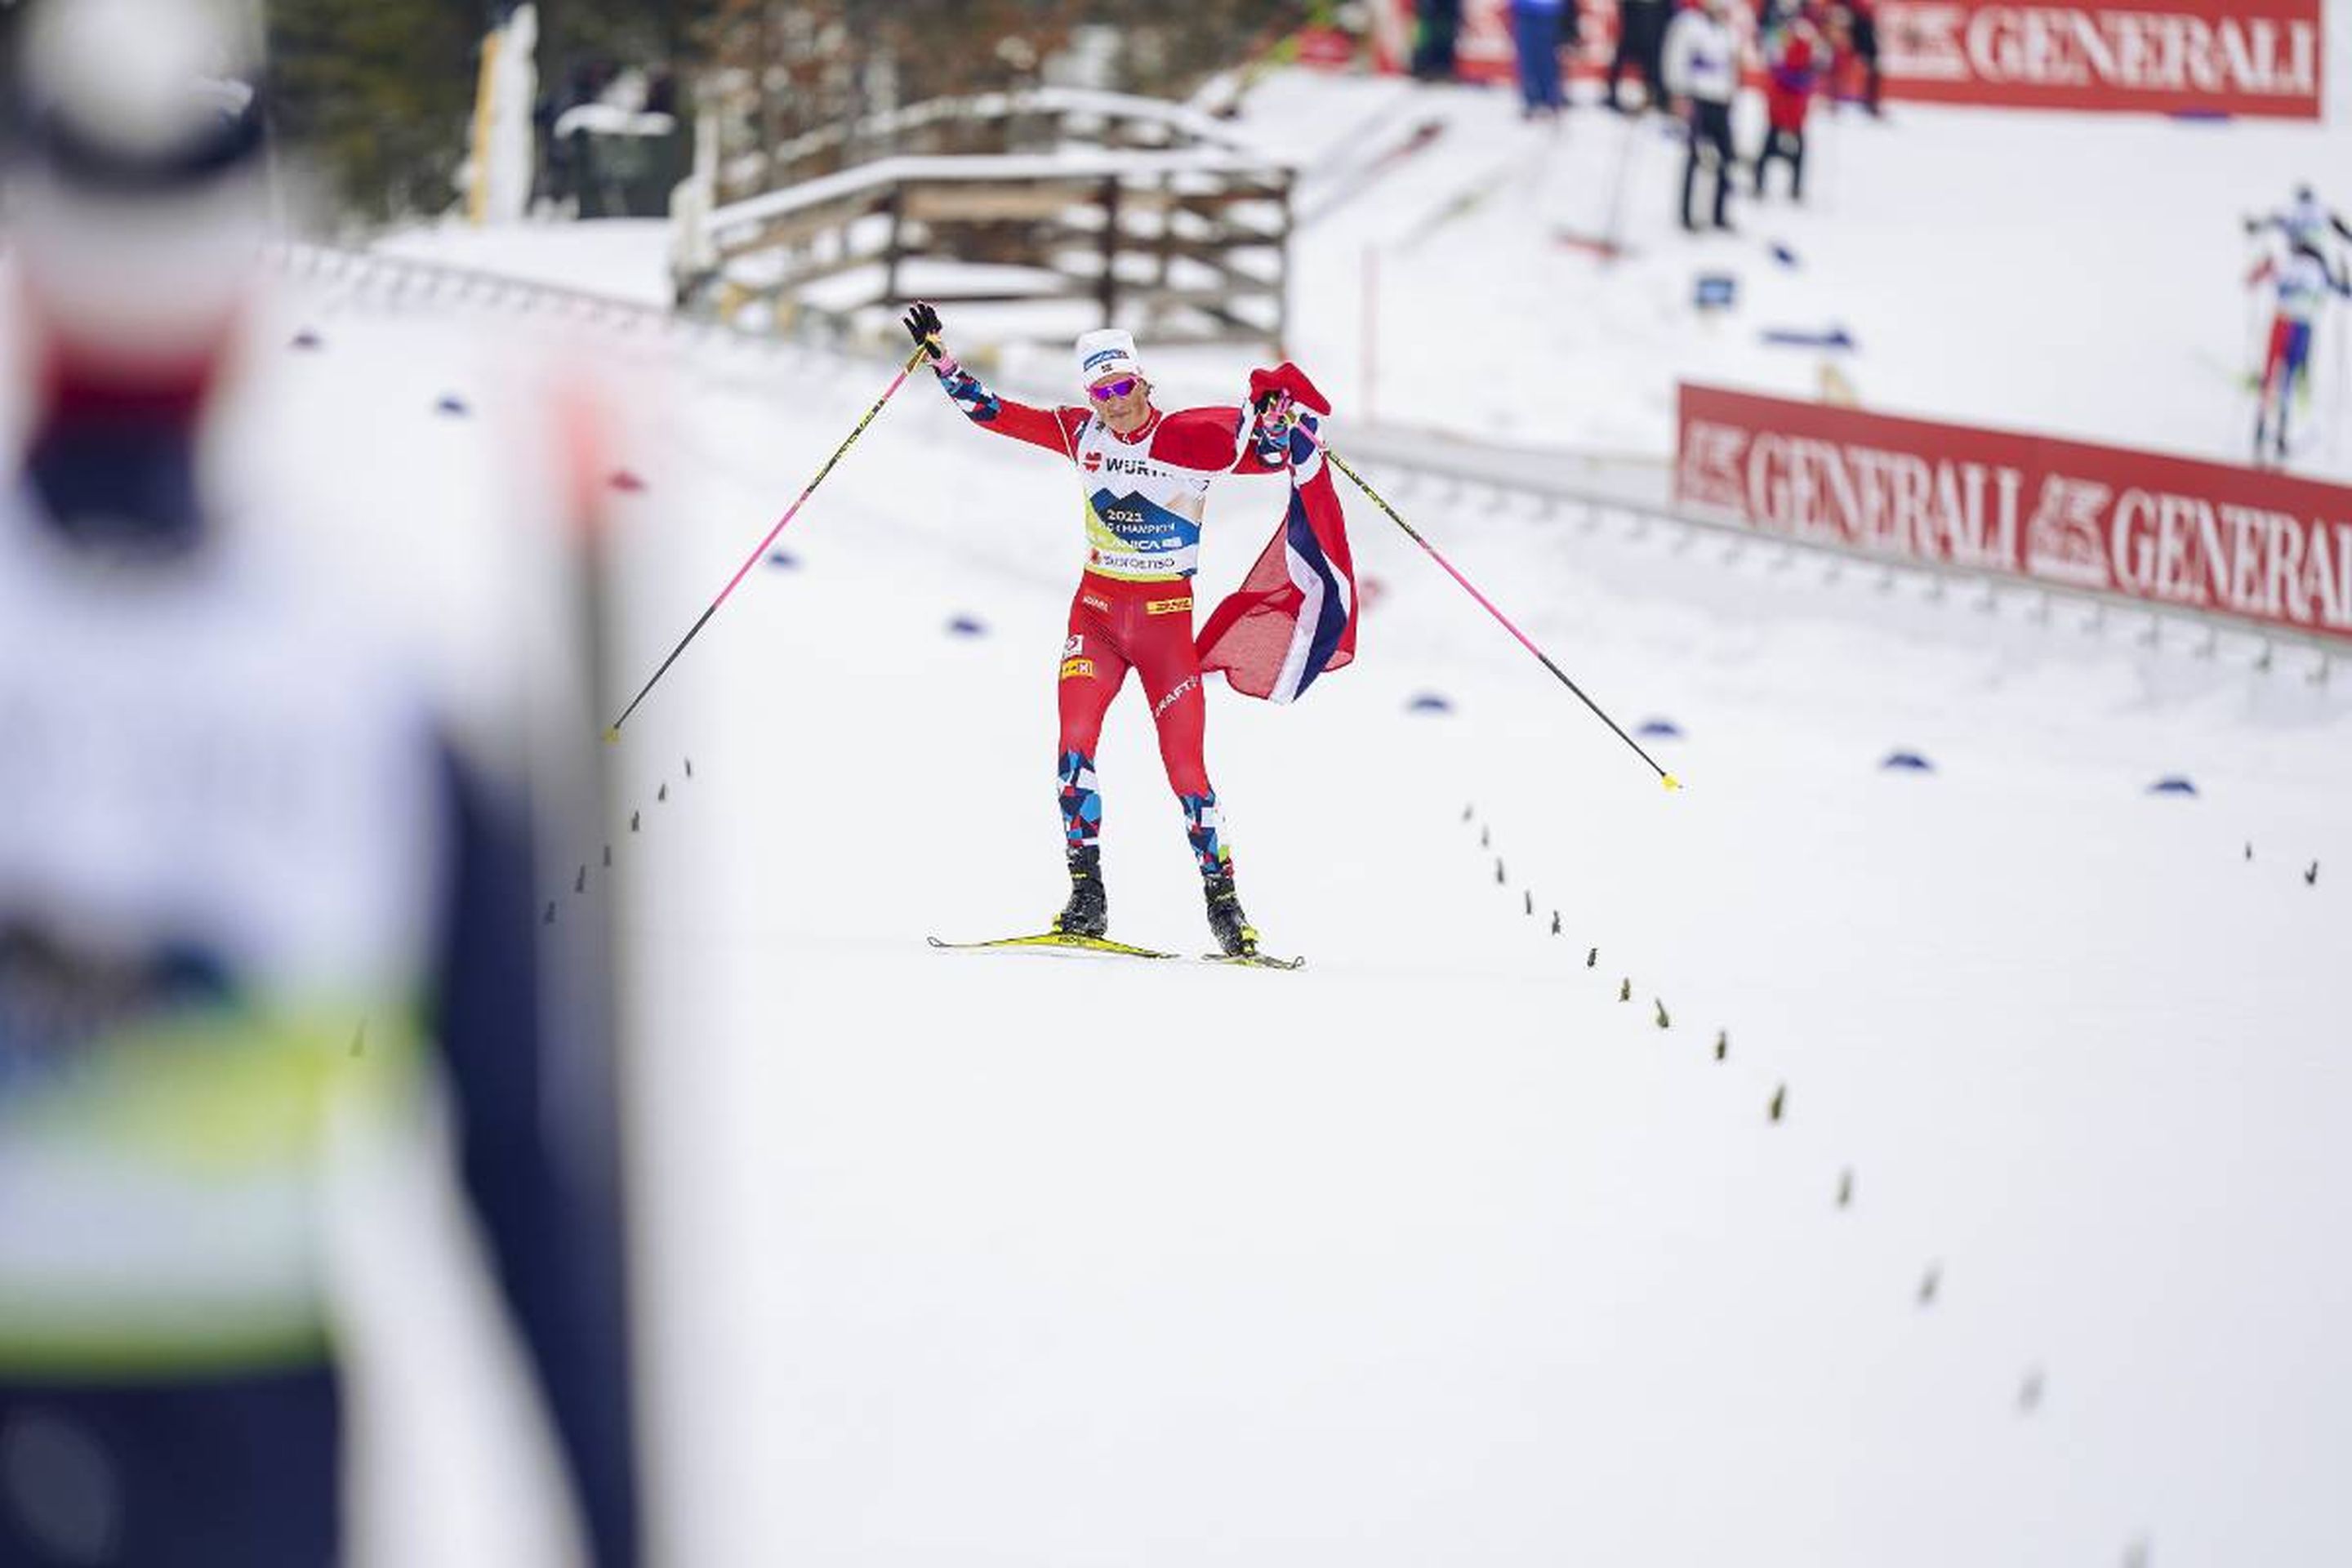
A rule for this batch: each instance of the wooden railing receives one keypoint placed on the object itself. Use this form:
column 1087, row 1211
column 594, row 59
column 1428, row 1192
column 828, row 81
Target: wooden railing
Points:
column 1151, row 213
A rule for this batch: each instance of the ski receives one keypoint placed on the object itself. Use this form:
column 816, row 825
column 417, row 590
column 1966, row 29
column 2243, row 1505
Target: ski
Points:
column 1253, row 960
column 1054, row 941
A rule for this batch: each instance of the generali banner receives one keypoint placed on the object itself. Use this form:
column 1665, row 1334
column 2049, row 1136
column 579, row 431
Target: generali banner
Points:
column 2264, row 547
column 2164, row 57
column 2220, row 56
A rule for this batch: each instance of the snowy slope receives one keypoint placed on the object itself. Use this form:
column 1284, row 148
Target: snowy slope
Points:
column 2081, row 275
column 2078, row 274
column 1435, row 1250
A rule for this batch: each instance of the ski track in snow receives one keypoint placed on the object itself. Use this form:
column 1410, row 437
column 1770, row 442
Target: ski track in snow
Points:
column 1436, row 1250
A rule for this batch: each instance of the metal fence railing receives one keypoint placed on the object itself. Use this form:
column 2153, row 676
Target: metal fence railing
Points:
column 1448, row 473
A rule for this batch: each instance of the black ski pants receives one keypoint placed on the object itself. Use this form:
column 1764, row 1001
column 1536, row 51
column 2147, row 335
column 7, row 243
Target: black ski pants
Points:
column 1642, row 44
column 1710, row 126
column 1789, row 144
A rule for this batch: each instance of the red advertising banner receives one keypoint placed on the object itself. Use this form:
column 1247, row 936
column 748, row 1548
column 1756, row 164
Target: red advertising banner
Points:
column 2264, row 547
column 2219, row 56
column 2163, row 57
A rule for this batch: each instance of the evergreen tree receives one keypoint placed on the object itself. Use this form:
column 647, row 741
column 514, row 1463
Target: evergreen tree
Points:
column 378, row 95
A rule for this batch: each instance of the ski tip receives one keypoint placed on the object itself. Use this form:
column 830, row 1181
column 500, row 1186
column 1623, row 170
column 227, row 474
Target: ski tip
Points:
column 1671, row 782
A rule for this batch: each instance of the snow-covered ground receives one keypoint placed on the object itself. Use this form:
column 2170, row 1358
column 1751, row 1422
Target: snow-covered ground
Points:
column 1982, row 1200
column 2081, row 275
column 2075, row 274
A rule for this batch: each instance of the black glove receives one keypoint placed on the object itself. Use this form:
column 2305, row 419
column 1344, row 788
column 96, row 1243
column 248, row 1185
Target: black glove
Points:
column 922, row 324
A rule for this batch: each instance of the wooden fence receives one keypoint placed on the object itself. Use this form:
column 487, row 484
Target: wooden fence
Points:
column 1150, row 214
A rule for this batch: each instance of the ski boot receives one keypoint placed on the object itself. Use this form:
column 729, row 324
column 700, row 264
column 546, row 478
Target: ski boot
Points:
column 1232, row 929
column 1088, row 911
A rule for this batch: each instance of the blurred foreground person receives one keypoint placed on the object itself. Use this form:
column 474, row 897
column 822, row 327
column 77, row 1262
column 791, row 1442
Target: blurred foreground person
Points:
column 253, row 895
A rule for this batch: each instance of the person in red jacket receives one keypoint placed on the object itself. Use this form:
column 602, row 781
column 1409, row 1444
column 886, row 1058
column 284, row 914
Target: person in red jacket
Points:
column 1795, row 58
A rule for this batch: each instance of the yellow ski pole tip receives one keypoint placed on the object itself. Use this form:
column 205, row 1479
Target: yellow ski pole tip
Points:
column 1671, row 782
column 613, row 734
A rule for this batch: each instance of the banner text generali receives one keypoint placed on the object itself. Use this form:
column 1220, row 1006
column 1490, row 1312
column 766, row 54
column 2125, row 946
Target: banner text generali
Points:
column 2223, row 56
column 2211, row 57
column 2264, row 547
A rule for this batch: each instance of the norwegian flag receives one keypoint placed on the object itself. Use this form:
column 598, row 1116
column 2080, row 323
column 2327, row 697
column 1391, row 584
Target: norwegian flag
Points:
column 1294, row 616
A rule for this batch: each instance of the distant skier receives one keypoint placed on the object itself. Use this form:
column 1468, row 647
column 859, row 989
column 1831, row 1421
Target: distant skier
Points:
column 1146, row 475
column 2303, row 281
column 2307, row 223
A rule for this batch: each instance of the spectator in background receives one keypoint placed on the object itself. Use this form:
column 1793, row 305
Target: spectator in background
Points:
column 1858, row 21
column 254, row 889
column 1641, row 42
column 1794, row 56
column 1702, row 72
column 1535, row 27
column 1437, row 24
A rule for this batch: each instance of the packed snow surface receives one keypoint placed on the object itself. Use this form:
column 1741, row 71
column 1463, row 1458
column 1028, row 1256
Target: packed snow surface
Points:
column 1964, row 1181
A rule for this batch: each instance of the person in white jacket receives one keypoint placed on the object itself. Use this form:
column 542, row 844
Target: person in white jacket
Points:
column 1702, row 72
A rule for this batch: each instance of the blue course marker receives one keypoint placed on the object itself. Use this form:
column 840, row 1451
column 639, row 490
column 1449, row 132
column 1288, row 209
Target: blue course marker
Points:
column 966, row 626
column 1907, row 763
column 452, row 405
column 1836, row 338
column 1429, row 702
column 2172, row 784
column 783, row 558
column 1658, row 730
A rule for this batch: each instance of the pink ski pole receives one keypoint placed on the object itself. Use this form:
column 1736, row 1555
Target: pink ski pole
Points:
column 613, row 733
column 1487, row 605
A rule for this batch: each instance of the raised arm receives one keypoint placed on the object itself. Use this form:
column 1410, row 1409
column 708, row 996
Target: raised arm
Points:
column 1253, row 440
column 1054, row 429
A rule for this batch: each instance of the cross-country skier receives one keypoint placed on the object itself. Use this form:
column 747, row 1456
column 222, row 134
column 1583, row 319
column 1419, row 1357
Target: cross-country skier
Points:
column 1146, row 477
column 2303, row 281
column 2306, row 222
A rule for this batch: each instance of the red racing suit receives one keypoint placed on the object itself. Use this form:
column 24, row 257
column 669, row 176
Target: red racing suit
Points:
column 1145, row 494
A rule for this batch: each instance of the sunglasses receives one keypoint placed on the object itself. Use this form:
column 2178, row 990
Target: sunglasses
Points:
column 1110, row 389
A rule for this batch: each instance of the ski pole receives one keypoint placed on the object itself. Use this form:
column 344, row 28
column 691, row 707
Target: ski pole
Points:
column 614, row 733
column 1487, row 605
